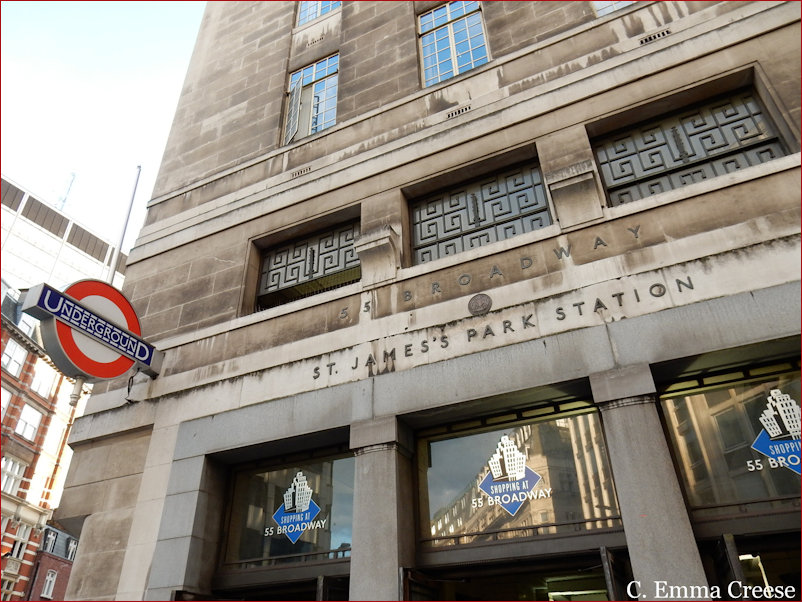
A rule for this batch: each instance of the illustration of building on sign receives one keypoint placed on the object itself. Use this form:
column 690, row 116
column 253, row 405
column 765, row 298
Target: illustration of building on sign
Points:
column 780, row 404
column 298, row 496
column 507, row 464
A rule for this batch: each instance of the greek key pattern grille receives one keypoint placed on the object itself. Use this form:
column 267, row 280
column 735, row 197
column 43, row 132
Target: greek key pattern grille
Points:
column 309, row 259
column 697, row 144
column 494, row 208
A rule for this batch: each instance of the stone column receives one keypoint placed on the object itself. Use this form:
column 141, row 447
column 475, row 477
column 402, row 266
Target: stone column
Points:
column 662, row 547
column 383, row 537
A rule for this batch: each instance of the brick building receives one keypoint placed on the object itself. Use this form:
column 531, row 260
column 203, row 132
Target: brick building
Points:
column 37, row 417
column 53, row 565
column 393, row 243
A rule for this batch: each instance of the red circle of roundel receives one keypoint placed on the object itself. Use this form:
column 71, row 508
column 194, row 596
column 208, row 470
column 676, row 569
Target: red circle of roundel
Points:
column 117, row 367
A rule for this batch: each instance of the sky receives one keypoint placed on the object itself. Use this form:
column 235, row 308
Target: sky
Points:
column 90, row 89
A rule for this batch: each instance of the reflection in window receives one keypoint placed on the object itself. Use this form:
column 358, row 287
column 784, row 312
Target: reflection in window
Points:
column 312, row 9
column 452, row 41
column 605, row 7
column 14, row 356
column 28, row 422
column 295, row 513
column 312, row 99
column 529, row 479
column 716, row 435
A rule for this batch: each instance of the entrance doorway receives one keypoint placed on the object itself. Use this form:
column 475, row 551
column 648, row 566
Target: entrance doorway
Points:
column 590, row 577
column 753, row 561
column 322, row 588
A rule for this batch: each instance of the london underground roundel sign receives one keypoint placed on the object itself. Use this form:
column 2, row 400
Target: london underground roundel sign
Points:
column 91, row 330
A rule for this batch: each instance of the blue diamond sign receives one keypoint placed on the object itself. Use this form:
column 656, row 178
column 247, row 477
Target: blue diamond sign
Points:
column 298, row 512
column 293, row 524
column 510, row 495
column 779, row 440
column 510, row 480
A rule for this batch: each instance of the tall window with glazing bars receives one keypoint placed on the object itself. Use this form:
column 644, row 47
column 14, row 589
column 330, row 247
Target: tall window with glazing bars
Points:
column 312, row 103
column 452, row 40
column 308, row 10
column 701, row 142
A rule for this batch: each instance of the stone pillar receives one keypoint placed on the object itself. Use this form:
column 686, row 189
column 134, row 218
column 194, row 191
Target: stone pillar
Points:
column 662, row 547
column 189, row 535
column 569, row 171
column 379, row 245
column 383, row 537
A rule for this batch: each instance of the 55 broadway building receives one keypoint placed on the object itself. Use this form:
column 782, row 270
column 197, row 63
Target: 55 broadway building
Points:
column 487, row 300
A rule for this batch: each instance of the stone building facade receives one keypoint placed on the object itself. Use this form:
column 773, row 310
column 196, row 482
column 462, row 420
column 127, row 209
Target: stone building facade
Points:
column 385, row 235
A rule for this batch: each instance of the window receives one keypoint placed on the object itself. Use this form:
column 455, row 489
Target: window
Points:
column 529, row 477
column 8, row 589
column 698, row 143
column 28, row 422
column 452, row 41
column 50, row 541
column 72, row 546
column 50, row 583
column 6, row 400
column 312, row 9
column 14, row 356
column 21, row 541
column 737, row 444
column 43, row 378
column 27, row 324
column 480, row 212
column 309, row 266
column 13, row 471
column 296, row 513
column 605, row 7
column 312, row 99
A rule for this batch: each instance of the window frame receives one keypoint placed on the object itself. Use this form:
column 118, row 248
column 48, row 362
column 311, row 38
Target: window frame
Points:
column 44, row 379
column 321, row 7
column 292, row 464
column 537, row 414
column 468, row 9
column 302, row 107
column 694, row 468
column 14, row 360
column 606, row 7
column 13, row 472
column 6, row 400
column 49, row 584
column 24, row 424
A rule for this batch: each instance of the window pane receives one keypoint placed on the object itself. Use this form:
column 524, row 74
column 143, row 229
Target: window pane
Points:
column 28, row 422
column 605, row 7
column 309, row 10
column 738, row 443
column 300, row 513
column 458, row 35
column 530, row 479
column 305, row 111
column 14, row 356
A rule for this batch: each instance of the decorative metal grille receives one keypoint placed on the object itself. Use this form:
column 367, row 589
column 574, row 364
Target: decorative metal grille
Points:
column 714, row 139
column 494, row 208
column 309, row 259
